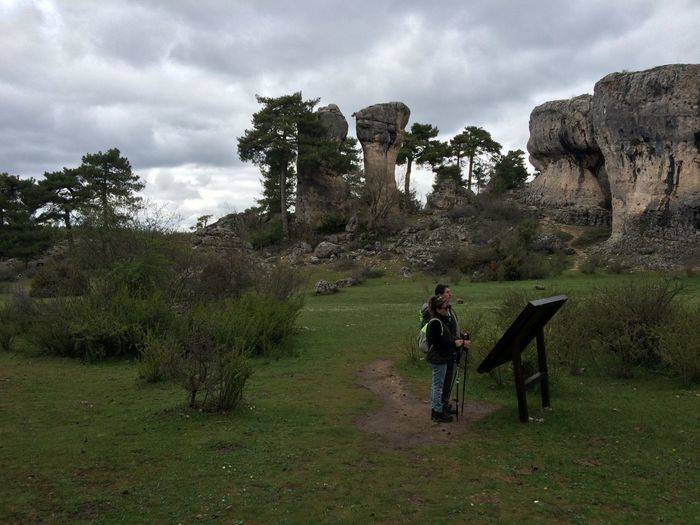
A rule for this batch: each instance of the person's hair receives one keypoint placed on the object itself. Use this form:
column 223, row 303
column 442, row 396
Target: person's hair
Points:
column 440, row 289
column 434, row 303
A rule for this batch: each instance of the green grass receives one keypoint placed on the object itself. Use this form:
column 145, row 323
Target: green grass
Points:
column 83, row 443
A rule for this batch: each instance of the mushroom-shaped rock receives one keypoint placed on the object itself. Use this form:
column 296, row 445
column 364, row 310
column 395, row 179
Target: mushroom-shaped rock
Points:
column 380, row 130
column 572, row 169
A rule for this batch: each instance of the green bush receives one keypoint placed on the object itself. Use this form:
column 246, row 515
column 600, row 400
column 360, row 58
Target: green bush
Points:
column 679, row 345
column 619, row 265
column 59, row 278
column 620, row 327
column 97, row 326
column 590, row 265
column 212, row 374
column 255, row 324
column 592, row 235
column 267, row 234
column 158, row 357
column 412, row 353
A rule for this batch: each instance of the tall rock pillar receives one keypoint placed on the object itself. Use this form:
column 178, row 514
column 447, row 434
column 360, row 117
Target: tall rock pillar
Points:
column 380, row 130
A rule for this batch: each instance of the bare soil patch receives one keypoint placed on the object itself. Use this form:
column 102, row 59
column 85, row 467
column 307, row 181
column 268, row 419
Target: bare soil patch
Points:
column 404, row 420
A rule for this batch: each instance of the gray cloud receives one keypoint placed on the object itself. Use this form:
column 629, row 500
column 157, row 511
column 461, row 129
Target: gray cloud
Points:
column 172, row 83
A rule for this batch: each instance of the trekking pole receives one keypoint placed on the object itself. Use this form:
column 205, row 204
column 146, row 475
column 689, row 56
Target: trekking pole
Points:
column 464, row 373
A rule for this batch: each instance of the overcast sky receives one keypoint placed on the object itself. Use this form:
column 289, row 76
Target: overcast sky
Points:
column 173, row 83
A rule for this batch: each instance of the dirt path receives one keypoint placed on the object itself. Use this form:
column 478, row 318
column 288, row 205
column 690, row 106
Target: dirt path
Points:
column 404, row 420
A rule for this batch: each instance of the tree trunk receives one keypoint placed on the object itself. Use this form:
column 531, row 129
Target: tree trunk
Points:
column 66, row 221
column 283, row 201
column 407, row 186
column 469, row 178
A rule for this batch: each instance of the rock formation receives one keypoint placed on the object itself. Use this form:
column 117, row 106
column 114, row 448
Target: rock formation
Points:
column 635, row 144
column 448, row 196
column 572, row 177
column 380, row 130
column 647, row 126
column 320, row 190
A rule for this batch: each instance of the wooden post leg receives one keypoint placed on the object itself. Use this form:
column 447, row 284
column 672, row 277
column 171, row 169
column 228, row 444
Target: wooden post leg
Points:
column 520, row 385
column 542, row 364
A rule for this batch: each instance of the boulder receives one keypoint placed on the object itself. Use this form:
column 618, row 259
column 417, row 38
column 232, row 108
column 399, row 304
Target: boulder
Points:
column 380, row 130
column 324, row 288
column 344, row 283
column 325, row 249
column 448, row 196
column 546, row 242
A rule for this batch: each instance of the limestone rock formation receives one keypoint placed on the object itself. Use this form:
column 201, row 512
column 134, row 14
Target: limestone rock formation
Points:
column 321, row 191
column 647, row 126
column 572, row 176
column 633, row 147
column 380, row 130
column 448, row 196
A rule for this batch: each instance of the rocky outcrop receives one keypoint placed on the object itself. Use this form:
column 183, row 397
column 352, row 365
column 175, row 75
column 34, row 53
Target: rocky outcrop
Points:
column 380, row 130
column 320, row 190
column 572, row 179
column 448, row 196
column 647, row 126
column 632, row 147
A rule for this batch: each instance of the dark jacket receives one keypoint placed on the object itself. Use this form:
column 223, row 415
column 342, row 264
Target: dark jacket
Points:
column 441, row 340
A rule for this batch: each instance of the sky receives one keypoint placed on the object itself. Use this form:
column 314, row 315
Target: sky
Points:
column 173, row 83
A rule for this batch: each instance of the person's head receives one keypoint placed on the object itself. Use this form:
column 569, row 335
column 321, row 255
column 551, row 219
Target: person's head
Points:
column 443, row 291
column 437, row 305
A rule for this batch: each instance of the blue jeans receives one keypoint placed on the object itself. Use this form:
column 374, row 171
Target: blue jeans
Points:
column 439, row 372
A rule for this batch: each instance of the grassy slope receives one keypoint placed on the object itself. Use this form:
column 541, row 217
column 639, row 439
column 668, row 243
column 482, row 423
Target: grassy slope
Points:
column 87, row 442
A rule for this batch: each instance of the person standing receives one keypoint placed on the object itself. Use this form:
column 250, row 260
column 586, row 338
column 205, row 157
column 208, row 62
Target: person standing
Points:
column 444, row 345
column 443, row 291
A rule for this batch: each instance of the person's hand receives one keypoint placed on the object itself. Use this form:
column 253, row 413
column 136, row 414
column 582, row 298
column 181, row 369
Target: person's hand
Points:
column 467, row 343
column 459, row 342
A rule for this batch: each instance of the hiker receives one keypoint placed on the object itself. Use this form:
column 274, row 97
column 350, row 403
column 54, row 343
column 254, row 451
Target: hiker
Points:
column 443, row 343
column 443, row 291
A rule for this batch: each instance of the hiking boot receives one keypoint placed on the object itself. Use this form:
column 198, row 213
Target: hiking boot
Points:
column 447, row 409
column 440, row 417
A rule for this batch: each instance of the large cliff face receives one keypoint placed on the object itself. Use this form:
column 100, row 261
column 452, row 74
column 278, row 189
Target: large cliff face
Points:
column 321, row 191
column 380, row 130
column 632, row 147
column 647, row 125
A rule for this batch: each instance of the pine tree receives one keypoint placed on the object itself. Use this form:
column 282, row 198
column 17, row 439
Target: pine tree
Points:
column 110, row 187
column 273, row 145
column 470, row 144
column 415, row 144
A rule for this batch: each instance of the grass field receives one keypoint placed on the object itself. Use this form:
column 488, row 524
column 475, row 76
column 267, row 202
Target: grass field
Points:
column 90, row 443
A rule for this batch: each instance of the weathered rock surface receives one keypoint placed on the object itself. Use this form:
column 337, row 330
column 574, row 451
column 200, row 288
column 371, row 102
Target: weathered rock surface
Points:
column 324, row 288
column 320, row 190
column 572, row 169
column 647, row 126
column 448, row 196
column 325, row 249
column 634, row 148
column 380, row 130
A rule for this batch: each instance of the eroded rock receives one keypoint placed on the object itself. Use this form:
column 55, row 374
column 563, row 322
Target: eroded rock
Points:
column 380, row 130
column 572, row 169
column 320, row 190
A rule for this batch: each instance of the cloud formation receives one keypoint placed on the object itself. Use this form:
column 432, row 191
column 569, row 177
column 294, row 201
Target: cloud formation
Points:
column 172, row 83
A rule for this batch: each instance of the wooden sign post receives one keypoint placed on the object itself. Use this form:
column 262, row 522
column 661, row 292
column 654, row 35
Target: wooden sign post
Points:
column 527, row 326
